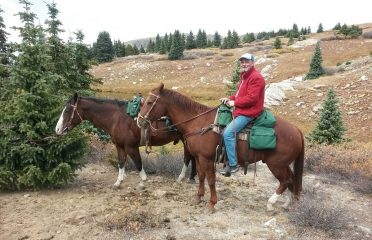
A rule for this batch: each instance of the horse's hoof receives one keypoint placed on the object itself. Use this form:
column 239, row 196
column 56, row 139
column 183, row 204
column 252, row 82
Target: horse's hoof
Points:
column 211, row 208
column 116, row 186
column 197, row 200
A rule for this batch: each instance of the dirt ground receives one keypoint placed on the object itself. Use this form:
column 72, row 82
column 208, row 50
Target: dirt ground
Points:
column 160, row 208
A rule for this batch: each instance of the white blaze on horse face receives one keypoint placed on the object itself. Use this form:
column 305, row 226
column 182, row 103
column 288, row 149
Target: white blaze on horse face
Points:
column 59, row 126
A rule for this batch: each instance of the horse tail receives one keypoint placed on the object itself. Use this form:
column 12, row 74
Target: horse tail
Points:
column 298, row 169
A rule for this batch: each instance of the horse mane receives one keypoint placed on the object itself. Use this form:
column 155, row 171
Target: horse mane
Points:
column 120, row 103
column 183, row 101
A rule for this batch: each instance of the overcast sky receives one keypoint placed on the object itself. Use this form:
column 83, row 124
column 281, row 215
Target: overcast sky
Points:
column 133, row 19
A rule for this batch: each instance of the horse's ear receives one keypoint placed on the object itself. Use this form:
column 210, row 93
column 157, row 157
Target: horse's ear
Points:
column 75, row 98
column 161, row 87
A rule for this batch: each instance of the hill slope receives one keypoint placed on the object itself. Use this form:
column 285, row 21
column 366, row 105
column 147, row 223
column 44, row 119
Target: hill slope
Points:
column 202, row 75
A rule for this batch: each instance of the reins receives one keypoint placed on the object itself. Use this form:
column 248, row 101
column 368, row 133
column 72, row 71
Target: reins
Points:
column 74, row 107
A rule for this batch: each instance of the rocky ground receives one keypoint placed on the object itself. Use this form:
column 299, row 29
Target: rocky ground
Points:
column 160, row 208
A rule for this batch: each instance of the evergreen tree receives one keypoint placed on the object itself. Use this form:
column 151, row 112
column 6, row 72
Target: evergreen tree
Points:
column 176, row 50
column 249, row 37
column 170, row 42
column 31, row 156
column 129, row 50
column 277, row 43
column 190, row 41
column 235, row 39
column 157, row 43
column 337, row 27
column 150, row 47
column 320, row 28
column 217, row 39
column 235, row 78
column 105, row 50
column 135, row 50
column 330, row 128
column 200, row 39
column 355, row 31
column 4, row 55
column 295, row 32
column 316, row 69
column 163, row 48
column 142, row 49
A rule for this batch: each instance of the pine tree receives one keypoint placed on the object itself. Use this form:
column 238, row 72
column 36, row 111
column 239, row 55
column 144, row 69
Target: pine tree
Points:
column 105, row 49
column 4, row 55
column 277, row 43
column 157, row 43
column 190, row 41
column 294, row 31
column 249, row 37
column 330, row 128
column 199, row 39
column 235, row 39
column 176, row 50
column 235, row 78
column 217, row 39
column 316, row 69
column 31, row 156
column 337, row 26
column 320, row 28
column 290, row 41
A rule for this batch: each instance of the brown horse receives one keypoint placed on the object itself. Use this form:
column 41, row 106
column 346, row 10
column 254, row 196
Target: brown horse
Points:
column 194, row 120
column 111, row 116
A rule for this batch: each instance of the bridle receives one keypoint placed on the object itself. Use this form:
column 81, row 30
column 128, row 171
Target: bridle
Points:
column 74, row 109
column 145, row 118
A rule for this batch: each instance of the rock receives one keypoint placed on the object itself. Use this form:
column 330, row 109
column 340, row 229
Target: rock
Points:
column 364, row 78
column 271, row 223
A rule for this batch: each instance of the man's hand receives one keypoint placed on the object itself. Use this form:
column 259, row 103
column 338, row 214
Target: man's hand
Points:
column 231, row 103
column 224, row 100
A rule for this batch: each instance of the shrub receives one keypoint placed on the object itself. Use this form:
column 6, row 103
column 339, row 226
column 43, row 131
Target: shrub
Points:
column 315, row 211
column 367, row 35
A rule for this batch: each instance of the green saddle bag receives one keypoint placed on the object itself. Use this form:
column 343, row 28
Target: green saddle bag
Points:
column 134, row 106
column 262, row 134
column 224, row 115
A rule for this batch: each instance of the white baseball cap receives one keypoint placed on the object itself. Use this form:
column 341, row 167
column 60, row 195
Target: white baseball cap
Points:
column 247, row 56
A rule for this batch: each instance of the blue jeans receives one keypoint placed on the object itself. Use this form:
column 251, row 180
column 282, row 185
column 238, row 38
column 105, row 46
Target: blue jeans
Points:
column 235, row 125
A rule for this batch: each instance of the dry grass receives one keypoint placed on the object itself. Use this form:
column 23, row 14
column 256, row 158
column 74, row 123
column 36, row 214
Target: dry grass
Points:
column 315, row 211
column 349, row 161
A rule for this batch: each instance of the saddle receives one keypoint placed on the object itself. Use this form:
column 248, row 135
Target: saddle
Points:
column 134, row 106
column 259, row 133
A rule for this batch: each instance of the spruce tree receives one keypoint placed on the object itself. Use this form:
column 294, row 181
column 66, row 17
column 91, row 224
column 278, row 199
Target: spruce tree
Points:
column 176, row 50
column 235, row 78
column 31, row 156
column 105, row 50
column 294, row 31
column 320, row 28
column 190, row 41
column 316, row 69
column 235, row 39
column 4, row 55
column 200, row 39
column 217, row 39
column 277, row 43
column 330, row 128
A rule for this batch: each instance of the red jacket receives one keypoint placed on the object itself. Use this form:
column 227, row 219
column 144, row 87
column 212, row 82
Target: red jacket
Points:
column 249, row 99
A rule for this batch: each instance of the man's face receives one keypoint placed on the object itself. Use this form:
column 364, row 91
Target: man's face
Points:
column 245, row 65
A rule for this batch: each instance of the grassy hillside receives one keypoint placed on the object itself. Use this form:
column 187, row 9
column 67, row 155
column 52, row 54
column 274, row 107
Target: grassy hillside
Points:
column 202, row 75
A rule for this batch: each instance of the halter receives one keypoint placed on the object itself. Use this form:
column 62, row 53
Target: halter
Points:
column 74, row 109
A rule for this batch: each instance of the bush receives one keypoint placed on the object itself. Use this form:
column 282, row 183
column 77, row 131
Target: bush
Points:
column 367, row 35
column 348, row 162
column 315, row 211
column 330, row 70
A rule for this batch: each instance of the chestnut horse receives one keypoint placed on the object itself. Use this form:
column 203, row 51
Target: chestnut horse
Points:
column 194, row 121
column 110, row 116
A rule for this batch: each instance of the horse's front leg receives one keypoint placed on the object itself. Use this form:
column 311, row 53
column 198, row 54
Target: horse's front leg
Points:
column 201, row 175
column 122, row 158
column 211, row 177
column 136, row 157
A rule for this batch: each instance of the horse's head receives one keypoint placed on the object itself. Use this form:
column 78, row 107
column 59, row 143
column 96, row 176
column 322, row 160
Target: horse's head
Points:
column 152, row 109
column 70, row 116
